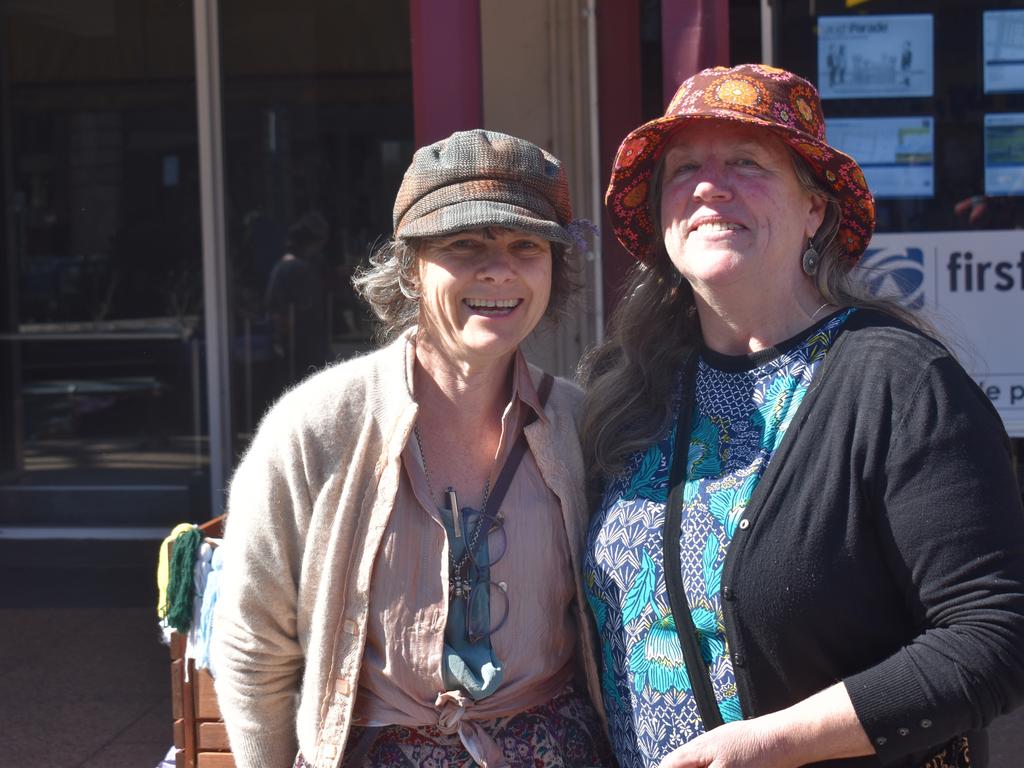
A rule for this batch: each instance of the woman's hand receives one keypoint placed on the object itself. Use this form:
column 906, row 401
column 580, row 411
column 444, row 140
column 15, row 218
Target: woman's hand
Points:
column 821, row 727
column 753, row 743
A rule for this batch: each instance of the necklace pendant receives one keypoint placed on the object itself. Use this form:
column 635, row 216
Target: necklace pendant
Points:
column 460, row 587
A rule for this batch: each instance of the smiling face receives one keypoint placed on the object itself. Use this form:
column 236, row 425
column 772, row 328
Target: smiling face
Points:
column 733, row 213
column 482, row 292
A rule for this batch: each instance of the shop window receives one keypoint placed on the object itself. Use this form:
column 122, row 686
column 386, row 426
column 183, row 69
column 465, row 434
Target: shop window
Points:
column 101, row 387
column 318, row 130
column 928, row 96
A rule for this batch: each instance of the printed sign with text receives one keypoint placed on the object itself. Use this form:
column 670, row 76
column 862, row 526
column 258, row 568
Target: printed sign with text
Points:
column 971, row 286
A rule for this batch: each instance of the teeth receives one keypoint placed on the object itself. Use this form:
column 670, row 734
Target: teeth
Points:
column 717, row 226
column 492, row 303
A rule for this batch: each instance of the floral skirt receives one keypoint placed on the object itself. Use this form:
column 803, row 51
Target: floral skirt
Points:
column 956, row 754
column 563, row 733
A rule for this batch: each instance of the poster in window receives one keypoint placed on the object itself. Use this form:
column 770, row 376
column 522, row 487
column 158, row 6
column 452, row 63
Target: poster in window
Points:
column 1004, row 51
column 883, row 57
column 895, row 153
column 1004, row 154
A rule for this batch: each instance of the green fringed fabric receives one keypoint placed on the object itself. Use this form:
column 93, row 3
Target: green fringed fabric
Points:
column 180, row 584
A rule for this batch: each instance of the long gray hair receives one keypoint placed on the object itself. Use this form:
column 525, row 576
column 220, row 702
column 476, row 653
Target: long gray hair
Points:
column 629, row 378
column 390, row 284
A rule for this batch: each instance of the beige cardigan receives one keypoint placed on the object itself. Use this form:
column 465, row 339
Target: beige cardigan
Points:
column 307, row 509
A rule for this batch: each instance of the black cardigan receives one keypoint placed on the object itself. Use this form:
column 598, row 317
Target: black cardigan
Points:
column 885, row 548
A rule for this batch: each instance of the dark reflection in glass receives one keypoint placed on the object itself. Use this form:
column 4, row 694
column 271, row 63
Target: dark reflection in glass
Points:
column 103, row 271
column 318, row 131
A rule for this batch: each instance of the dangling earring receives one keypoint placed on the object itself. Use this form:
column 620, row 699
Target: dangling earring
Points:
column 810, row 261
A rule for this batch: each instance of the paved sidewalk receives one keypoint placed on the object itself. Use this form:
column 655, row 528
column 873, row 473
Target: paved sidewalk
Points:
column 84, row 678
column 83, row 688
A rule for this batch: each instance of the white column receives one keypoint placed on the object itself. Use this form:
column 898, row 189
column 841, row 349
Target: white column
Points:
column 539, row 60
column 215, row 259
column 769, row 18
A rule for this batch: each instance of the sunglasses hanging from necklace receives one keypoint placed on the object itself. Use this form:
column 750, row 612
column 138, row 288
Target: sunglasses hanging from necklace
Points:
column 468, row 575
column 474, row 527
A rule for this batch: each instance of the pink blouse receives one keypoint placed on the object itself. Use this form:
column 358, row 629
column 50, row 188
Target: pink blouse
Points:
column 401, row 679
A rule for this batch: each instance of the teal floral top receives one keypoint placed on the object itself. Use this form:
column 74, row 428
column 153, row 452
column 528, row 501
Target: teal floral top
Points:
column 742, row 408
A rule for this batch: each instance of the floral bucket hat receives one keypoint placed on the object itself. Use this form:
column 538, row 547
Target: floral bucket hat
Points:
column 752, row 94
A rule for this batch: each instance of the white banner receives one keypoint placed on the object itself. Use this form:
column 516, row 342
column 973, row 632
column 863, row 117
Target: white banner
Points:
column 971, row 286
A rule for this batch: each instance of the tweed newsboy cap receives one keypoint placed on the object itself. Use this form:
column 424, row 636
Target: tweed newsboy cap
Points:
column 480, row 178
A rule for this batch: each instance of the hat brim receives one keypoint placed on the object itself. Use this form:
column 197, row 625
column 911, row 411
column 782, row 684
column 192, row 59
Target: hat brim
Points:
column 477, row 214
column 628, row 195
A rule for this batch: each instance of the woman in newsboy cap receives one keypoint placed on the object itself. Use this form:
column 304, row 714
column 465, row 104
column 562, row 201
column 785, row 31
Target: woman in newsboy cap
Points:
column 401, row 580
column 809, row 544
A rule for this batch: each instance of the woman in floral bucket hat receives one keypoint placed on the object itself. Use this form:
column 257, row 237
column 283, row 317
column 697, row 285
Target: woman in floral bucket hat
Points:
column 808, row 544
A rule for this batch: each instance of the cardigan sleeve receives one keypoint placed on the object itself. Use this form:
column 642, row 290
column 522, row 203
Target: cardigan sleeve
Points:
column 258, row 656
column 951, row 526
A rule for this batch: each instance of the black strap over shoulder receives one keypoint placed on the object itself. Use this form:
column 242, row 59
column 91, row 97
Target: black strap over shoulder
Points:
column 700, row 678
column 518, row 450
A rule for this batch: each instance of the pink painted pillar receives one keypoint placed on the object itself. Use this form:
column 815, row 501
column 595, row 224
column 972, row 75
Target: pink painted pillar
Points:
column 447, row 78
column 619, row 88
column 694, row 36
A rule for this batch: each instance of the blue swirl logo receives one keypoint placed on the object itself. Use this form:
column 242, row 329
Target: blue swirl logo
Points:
column 895, row 274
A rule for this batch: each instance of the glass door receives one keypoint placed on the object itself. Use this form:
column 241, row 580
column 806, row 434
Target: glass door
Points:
column 102, row 384
column 318, row 130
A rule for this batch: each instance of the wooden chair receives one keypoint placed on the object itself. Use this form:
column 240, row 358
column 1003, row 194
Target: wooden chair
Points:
column 200, row 739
